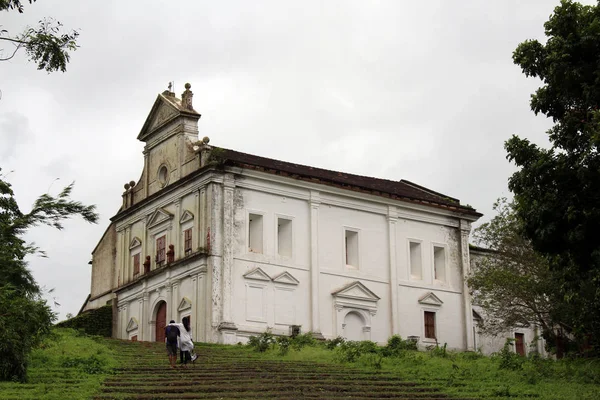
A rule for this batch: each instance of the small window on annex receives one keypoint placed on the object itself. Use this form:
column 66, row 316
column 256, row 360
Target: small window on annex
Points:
column 284, row 237
column 439, row 263
column 429, row 318
column 416, row 268
column 255, row 233
column 351, row 248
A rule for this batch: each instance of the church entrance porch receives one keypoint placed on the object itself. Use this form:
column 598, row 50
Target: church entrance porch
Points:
column 161, row 321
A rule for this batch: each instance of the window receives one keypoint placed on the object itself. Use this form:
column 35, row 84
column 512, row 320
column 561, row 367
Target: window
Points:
column 187, row 241
column 161, row 245
column 136, row 264
column 284, row 237
column 439, row 263
column 429, row 325
column 416, row 270
column 351, row 248
column 255, row 233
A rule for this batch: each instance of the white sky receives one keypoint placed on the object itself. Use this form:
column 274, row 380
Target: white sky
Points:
column 417, row 90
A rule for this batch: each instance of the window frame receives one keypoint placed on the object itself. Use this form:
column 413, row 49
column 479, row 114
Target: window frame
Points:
column 345, row 247
column 291, row 221
column 249, row 213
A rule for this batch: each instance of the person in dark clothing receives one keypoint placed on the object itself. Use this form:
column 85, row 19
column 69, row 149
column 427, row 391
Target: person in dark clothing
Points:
column 171, row 335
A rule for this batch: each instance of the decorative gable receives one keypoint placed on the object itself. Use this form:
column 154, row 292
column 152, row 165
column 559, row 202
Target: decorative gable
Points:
column 431, row 299
column 356, row 291
column 184, row 304
column 257, row 274
column 159, row 216
column 186, row 216
column 132, row 325
column 286, row 278
column 136, row 242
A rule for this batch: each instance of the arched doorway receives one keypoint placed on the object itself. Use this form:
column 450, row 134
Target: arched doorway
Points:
column 353, row 326
column 161, row 321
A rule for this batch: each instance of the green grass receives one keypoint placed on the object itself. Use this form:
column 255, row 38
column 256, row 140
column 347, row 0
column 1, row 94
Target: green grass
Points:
column 471, row 374
column 68, row 365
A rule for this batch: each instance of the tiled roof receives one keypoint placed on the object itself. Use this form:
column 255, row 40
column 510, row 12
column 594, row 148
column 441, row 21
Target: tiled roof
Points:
column 402, row 189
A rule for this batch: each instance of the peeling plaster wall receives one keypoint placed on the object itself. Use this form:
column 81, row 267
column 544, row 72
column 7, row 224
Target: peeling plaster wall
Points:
column 103, row 263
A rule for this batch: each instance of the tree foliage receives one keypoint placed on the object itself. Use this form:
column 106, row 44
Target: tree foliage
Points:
column 513, row 283
column 24, row 316
column 557, row 190
column 46, row 45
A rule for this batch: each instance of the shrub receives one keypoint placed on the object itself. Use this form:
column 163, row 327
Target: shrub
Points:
column 262, row 342
column 283, row 342
column 351, row 351
column 395, row 346
column 509, row 359
column 333, row 343
column 438, row 351
column 305, row 339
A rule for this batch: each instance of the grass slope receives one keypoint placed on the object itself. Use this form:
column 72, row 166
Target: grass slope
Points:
column 74, row 366
column 67, row 366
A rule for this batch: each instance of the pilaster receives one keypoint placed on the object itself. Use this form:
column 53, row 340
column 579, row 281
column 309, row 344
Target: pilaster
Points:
column 392, row 217
column 465, row 229
column 314, row 203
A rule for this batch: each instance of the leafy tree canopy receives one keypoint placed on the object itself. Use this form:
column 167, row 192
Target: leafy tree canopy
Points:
column 557, row 190
column 511, row 282
column 24, row 316
column 46, row 45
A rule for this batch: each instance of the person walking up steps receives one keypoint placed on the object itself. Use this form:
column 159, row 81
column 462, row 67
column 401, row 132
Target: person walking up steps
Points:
column 172, row 333
column 186, row 343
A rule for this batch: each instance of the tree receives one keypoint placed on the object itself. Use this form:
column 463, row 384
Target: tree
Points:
column 513, row 283
column 557, row 190
column 45, row 45
column 25, row 318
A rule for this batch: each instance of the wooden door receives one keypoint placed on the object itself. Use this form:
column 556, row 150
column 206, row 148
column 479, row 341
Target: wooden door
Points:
column 520, row 343
column 161, row 322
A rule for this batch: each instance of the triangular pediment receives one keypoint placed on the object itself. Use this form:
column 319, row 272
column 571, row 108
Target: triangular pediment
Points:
column 184, row 304
column 166, row 108
column 257, row 274
column 186, row 216
column 431, row 300
column 135, row 242
column 356, row 291
column 132, row 324
column 286, row 278
column 159, row 216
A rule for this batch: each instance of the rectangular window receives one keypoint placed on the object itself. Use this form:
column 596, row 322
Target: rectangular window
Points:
column 351, row 248
column 161, row 246
column 416, row 269
column 255, row 233
column 284, row 237
column 439, row 263
column 136, row 264
column 187, row 241
column 429, row 325
column 520, row 344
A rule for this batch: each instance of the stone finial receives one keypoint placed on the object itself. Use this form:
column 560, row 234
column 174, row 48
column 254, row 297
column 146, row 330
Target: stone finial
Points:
column 186, row 97
column 205, row 139
column 126, row 186
column 131, row 184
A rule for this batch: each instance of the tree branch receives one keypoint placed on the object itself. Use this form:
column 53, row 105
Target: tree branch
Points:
column 13, row 54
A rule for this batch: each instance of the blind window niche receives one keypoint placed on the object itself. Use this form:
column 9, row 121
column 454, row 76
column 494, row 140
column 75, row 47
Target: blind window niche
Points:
column 439, row 263
column 255, row 233
column 284, row 237
column 416, row 265
column 351, row 248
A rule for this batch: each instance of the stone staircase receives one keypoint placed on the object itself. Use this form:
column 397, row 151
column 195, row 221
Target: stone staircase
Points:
column 228, row 372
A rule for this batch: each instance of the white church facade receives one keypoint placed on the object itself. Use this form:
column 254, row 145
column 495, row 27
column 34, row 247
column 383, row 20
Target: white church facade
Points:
column 241, row 244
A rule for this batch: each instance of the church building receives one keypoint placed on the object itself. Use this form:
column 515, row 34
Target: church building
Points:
column 242, row 244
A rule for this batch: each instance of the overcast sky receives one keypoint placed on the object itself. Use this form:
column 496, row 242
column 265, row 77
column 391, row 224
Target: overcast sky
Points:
column 417, row 90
